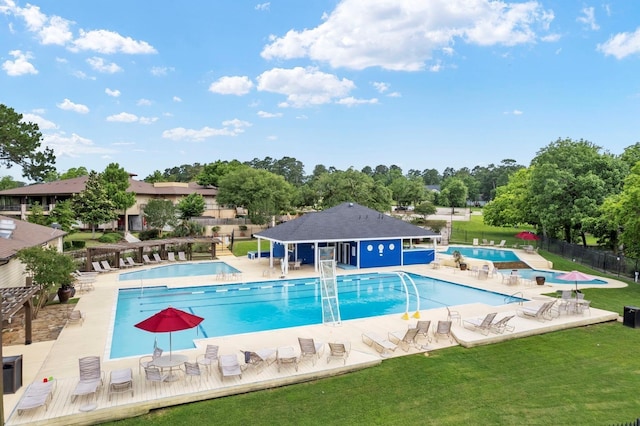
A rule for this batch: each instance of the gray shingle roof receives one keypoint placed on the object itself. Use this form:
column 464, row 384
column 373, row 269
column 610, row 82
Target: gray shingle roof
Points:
column 26, row 235
column 76, row 185
column 347, row 221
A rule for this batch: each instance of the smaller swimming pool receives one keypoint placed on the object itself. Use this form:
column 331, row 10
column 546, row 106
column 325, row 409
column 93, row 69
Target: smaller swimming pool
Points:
column 484, row 253
column 179, row 270
column 552, row 277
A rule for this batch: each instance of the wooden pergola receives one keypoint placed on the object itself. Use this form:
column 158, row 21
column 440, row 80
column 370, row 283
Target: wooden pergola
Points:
column 114, row 250
column 14, row 299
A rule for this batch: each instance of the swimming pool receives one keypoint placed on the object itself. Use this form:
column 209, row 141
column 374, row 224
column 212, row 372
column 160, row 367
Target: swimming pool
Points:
column 552, row 277
column 269, row 305
column 483, row 253
column 179, row 270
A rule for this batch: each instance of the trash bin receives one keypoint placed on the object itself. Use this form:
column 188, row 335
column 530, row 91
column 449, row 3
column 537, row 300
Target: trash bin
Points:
column 11, row 373
column 631, row 317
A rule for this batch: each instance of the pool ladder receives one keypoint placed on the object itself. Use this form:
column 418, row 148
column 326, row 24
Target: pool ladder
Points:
column 515, row 297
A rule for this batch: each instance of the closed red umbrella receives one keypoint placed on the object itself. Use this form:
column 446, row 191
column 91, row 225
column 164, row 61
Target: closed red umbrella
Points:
column 169, row 320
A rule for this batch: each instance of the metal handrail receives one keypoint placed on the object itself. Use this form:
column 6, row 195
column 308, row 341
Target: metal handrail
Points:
column 512, row 297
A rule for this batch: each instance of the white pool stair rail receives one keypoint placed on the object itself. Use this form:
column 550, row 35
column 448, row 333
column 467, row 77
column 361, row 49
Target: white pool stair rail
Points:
column 404, row 277
column 329, row 292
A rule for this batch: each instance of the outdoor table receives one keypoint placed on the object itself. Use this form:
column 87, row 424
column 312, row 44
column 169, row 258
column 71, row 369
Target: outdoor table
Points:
column 170, row 361
column 286, row 355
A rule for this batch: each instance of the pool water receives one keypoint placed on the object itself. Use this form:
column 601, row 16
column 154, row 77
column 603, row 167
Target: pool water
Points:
column 552, row 277
column 252, row 307
column 179, row 270
column 484, row 253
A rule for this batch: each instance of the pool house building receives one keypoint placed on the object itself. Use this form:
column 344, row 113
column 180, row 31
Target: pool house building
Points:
column 361, row 238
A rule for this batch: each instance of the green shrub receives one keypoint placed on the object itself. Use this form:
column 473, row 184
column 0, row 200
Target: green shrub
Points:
column 79, row 244
column 111, row 237
column 67, row 245
column 149, row 234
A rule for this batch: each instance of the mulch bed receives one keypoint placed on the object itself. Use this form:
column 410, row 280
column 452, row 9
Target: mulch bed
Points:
column 51, row 319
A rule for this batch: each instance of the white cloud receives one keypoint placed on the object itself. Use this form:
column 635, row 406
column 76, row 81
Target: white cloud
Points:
column 236, row 85
column 395, row 95
column 264, row 114
column 621, row 45
column 72, row 146
column 231, row 128
column 81, row 75
column 56, row 32
column 107, row 42
column 143, row 102
column 351, row 101
column 263, row 6
column 21, row 65
column 304, row 86
column 514, row 112
column 403, row 34
column 100, row 65
column 588, row 18
column 380, row 87
column 177, row 99
column 161, row 71
column 67, row 105
column 43, row 123
column 114, row 93
column 123, row 117
column 272, row 138
column 147, row 120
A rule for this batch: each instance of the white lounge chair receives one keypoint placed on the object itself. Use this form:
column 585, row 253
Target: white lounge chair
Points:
column 483, row 325
column 475, row 242
column 123, row 264
column 120, row 381
column 157, row 258
column 405, row 339
column 443, row 330
column 132, row 262
column 37, row 395
column 181, row 256
column 106, row 266
column 209, row 357
column 229, row 366
column 90, row 377
column 146, row 259
column 97, row 267
column 502, row 243
column 171, row 256
column 502, row 325
column 310, row 349
column 339, row 351
column 259, row 359
column 540, row 312
column 379, row 343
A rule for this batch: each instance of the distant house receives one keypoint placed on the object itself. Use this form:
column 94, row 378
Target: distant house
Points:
column 433, row 188
column 362, row 238
column 17, row 202
column 16, row 235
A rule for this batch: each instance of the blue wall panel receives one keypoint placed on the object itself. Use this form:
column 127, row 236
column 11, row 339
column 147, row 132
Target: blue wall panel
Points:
column 378, row 253
column 419, row 256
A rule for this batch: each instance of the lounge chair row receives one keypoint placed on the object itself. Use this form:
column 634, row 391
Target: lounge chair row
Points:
column 104, row 266
column 406, row 339
column 487, row 324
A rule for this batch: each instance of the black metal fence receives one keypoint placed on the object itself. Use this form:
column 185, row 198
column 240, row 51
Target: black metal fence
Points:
column 601, row 260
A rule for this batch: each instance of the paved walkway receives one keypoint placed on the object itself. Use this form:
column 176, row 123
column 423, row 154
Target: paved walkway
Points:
column 59, row 358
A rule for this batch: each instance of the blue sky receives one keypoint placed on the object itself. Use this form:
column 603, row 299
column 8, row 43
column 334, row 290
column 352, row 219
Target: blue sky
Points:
column 418, row 84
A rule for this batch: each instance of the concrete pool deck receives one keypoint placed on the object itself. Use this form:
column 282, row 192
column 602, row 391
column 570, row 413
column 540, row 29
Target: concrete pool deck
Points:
column 59, row 358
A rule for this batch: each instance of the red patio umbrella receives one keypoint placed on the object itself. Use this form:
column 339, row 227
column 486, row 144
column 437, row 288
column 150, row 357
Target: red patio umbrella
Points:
column 575, row 276
column 169, row 320
column 527, row 235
